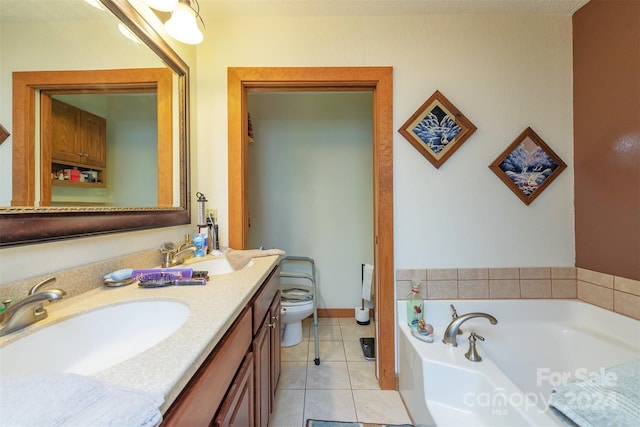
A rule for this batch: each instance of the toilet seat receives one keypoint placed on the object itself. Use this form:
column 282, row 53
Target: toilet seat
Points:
column 292, row 303
column 295, row 295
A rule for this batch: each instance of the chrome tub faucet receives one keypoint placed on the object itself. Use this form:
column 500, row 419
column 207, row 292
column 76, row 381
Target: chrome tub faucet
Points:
column 31, row 309
column 452, row 330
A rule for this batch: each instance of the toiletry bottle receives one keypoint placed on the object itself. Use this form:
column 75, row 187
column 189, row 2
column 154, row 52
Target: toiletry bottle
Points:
column 415, row 305
column 201, row 248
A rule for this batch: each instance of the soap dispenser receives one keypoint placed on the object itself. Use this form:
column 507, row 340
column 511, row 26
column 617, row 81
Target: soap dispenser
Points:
column 415, row 305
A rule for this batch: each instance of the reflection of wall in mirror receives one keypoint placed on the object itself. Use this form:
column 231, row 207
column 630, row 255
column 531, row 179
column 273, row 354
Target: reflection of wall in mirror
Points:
column 35, row 46
column 132, row 151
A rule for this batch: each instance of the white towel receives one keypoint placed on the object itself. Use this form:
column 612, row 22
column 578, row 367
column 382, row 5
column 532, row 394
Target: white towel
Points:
column 239, row 258
column 367, row 279
column 610, row 399
column 72, row 400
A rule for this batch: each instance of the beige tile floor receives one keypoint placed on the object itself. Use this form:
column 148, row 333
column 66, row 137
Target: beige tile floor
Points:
column 342, row 388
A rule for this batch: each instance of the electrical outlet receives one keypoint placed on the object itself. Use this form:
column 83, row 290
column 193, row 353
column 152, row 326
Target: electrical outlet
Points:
column 213, row 212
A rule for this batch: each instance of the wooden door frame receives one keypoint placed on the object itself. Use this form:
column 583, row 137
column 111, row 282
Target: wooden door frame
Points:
column 379, row 80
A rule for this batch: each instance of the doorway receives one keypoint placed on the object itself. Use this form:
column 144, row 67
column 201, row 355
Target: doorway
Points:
column 310, row 186
column 379, row 81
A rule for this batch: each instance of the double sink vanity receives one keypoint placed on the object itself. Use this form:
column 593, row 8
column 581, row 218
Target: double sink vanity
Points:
column 212, row 351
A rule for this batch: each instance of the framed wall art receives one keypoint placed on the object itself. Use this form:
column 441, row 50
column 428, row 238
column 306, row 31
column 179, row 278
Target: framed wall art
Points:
column 437, row 129
column 4, row 134
column 528, row 166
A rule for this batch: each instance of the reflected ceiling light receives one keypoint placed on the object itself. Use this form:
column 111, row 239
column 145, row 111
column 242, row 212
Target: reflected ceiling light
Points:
column 127, row 33
column 183, row 25
column 95, row 3
column 162, row 5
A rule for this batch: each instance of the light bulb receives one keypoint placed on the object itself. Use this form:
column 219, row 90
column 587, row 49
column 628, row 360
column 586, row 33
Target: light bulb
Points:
column 183, row 26
column 162, row 5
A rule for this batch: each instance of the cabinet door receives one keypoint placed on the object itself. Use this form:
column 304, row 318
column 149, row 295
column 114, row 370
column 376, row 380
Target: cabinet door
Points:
column 94, row 139
column 262, row 354
column 65, row 141
column 201, row 398
column 276, row 340
column 237, row 407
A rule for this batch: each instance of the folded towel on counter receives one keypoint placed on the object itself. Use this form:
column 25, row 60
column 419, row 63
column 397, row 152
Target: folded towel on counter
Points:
column 611, row 398
column 239, row 258
column 55, row 399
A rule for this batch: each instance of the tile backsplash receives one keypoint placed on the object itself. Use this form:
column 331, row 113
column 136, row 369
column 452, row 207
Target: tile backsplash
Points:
column 610, row 292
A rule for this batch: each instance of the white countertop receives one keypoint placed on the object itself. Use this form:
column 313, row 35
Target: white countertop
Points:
column 168, row 366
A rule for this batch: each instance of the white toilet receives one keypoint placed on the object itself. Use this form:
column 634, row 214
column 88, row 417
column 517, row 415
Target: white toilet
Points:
column 297, row 305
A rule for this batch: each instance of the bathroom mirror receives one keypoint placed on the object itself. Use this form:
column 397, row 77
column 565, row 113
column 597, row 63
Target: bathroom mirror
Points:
column 28, row 222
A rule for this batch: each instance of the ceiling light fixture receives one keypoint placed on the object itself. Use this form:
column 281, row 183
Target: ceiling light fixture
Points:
column 183, row 25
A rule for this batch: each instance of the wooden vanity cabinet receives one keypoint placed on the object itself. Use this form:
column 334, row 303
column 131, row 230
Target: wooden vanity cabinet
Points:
column 235, row 386
column 199, row 401
column 276, row 344
column 78, row 137
column 266, row 343
column 238, row 407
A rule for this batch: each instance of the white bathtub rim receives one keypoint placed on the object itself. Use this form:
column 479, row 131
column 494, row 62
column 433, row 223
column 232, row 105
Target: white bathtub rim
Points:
column 565, row 311
column 571, row 314
column 440, row 353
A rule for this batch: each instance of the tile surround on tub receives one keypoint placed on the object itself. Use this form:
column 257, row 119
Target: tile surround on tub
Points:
column 473, row 289
column 593, row 277
column 504, row 289
column 614, row 293
column 535, row 288
column 564, row 288
column 626, row 285
column 618, row 294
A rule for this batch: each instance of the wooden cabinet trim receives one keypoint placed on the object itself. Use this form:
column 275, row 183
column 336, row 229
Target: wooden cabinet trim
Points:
column 263, row 299
column 238, row 407
column 198, row 402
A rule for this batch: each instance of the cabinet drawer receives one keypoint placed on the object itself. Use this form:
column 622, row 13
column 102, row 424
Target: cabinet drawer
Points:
column 263, row 299
column 200, row 399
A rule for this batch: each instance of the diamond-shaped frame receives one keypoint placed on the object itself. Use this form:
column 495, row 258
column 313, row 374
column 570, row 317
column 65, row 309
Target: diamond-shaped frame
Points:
column 528, row 166
column 4, row 134
column 437, row 129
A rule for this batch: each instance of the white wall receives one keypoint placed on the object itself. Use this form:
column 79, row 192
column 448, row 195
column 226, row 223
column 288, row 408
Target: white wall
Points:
column 310, row 186
column 504, row 72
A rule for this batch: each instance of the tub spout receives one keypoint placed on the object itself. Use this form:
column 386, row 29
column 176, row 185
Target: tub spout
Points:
column 452, row 330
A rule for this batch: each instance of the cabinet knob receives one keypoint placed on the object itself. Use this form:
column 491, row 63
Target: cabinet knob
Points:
column 275, row 318
column 272, row 325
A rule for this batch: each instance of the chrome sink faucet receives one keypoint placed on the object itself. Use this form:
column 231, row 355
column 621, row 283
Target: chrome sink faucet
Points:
column 172, row 256
column 31, row 309
column 452, row 330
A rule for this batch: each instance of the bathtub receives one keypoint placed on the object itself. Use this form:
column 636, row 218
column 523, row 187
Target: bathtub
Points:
column 536, row 346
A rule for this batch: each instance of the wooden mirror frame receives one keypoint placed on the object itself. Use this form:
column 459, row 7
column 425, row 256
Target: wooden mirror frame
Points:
column 25, row 225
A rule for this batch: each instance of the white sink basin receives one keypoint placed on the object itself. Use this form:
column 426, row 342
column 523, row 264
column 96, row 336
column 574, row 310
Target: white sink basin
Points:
column 216, row 266
column 94, row 340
